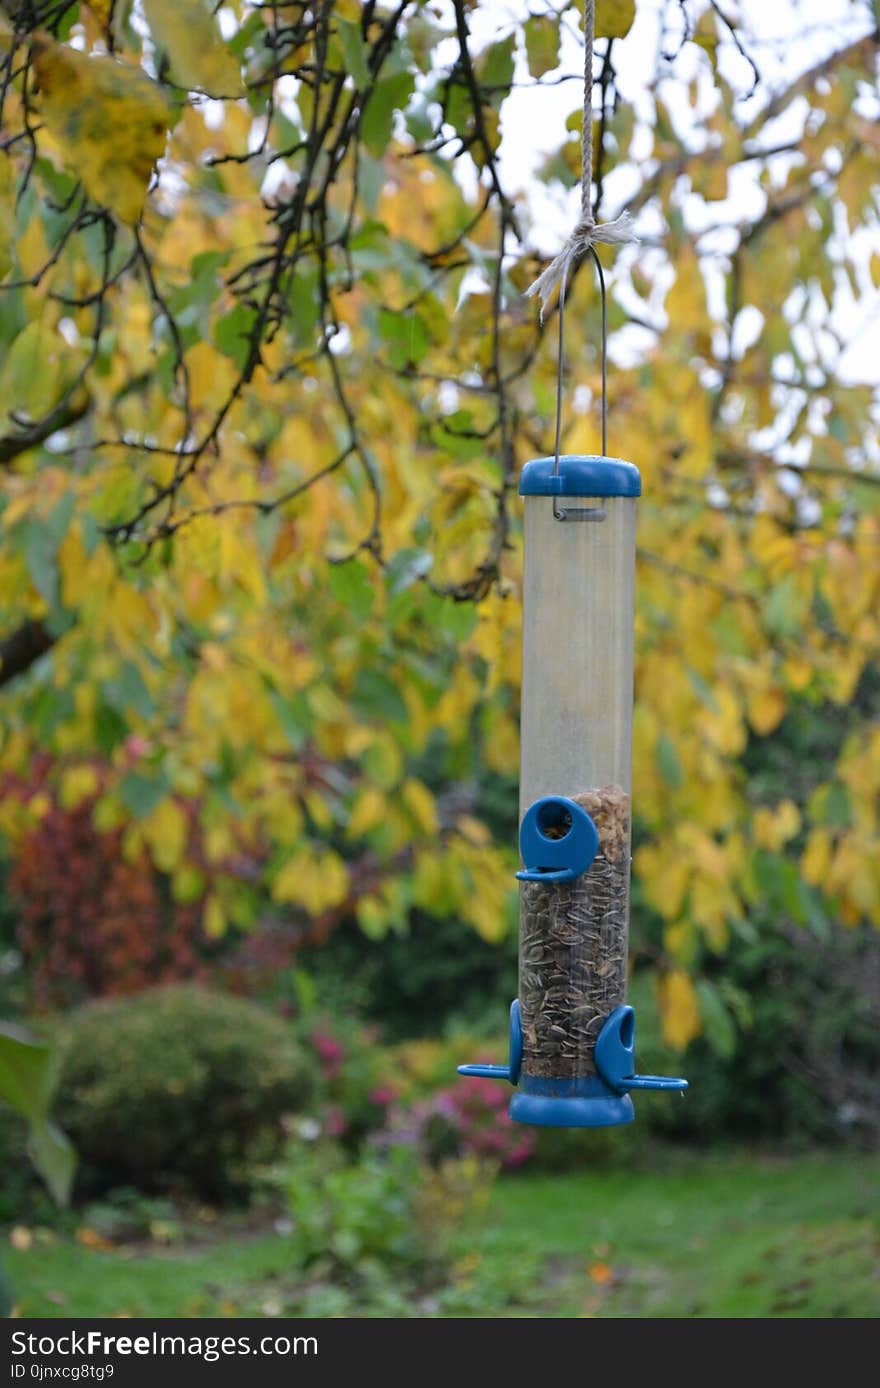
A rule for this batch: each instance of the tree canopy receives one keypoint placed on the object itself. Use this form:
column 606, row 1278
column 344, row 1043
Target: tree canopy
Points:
column 269, row 375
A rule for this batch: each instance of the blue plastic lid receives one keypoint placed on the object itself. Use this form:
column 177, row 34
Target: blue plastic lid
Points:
column 580, row 474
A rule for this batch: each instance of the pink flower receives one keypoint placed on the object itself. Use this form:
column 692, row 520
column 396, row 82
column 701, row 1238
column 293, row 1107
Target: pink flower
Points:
column 334, row 1121
column 521, row 1152
column 383, row 1095
column 330, row 1051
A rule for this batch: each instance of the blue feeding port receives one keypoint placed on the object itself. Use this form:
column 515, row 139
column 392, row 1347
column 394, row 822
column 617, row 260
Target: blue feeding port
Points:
column 559, row 842
column 588, row 1101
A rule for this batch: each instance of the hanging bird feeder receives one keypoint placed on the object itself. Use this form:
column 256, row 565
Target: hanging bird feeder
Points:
column 571, row 1032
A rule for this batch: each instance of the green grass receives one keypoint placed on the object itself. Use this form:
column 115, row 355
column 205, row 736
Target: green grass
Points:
column 702, row 1236
column 714, row 1235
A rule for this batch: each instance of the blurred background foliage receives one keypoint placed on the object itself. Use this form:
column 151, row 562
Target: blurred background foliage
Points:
column 262, row 411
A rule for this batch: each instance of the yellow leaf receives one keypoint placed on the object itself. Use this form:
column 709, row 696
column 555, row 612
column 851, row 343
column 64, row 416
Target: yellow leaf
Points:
column 186, row 32
column 214, row 918
column 431, row 884
column 77, row 784
column 679, row 1009
column 315, row 880
column 614, row 18
column 187, row 884
column 421, row 805
column 166, row 830
column 108, row 121
column 501, row 746
column 382, row 761
column 102, row 10
column 367, row 812
column 219, row 842
column 37, row 370
column 766, row 709
column 7, row 216
column 108, row 814
column 724, row 728
column 668, row 889
column 473, row 830
column 372, row 915
column 774, row 827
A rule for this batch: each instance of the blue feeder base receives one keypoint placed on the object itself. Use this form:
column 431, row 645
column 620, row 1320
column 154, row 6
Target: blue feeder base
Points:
column 573, row 1103
column 596, row 1101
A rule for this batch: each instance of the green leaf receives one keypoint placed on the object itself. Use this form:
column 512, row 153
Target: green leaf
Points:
column 837, row 809
column 354, row 51
column 542, row 44
column 305, row 303
column 794, row 900
column 187, row 34
column 718, row 1024
column 495, row 68
column 668, row 763
column 351, row 584
column 140, row 794
column 53, row 1155
column 294, row 717
column 110, row 727
column 41, row 540
column 306, row 991
column 26, row 1072
column 407, row 337
column 387, row 96
column 768, row 875
column 614, row 18
column 703, row 691
column 379, row 696
column 784, row 609
column 39, row 553
column 406, row 568
column 33, row 376
column 200, row 290
column 232, row 333
column 27, row 1083
column 128, row 691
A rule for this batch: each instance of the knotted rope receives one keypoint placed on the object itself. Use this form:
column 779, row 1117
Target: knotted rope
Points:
column 588, row 232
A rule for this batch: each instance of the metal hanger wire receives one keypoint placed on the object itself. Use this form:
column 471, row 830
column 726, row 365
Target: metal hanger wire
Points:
column 592, row 513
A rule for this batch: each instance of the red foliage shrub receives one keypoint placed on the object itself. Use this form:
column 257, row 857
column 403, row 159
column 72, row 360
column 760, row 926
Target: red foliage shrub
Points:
column 93, row 923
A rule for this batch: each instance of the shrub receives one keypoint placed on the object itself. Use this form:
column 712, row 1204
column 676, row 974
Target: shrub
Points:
column 420, row 1067
column 93, row 922
column 421, row 981
column 798, row 1056
column 468, row 1118
column 177, row 1086
column 385, row 1225
column 351, row 1100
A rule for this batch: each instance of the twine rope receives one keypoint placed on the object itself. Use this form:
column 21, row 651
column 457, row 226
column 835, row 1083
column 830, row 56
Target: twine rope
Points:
column 587, row 232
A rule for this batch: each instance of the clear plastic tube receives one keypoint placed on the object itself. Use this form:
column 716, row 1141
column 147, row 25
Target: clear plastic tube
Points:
column 576, row 738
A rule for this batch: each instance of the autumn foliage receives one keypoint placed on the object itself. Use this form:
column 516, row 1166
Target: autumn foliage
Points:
column 261, row 423
column 94, row 922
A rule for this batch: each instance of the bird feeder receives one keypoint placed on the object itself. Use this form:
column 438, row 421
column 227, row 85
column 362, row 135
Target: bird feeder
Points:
column 571, row 1032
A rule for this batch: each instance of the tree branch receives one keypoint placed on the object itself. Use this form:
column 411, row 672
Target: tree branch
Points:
column 19, row 651
column 69, row 412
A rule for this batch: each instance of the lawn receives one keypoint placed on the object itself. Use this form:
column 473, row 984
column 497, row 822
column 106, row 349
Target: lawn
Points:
column 711, row 1235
